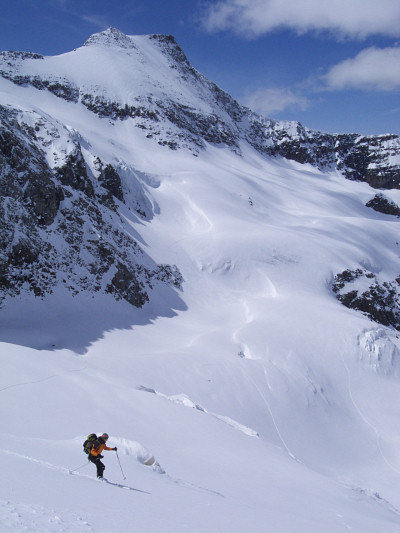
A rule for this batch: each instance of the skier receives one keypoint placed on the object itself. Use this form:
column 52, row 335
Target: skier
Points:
column 95, row 453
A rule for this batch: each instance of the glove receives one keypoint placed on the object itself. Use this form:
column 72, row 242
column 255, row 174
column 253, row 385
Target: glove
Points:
column 115, row 449
column 100, row 456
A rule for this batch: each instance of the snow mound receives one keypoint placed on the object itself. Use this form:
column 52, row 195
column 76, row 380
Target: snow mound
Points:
column 139, row 452
column 380, row 351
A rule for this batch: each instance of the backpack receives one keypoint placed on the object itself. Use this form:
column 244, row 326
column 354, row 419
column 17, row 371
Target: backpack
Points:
column 88, row 444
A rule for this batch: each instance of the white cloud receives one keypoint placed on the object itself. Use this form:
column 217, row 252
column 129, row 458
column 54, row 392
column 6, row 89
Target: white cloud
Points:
column 270, row 101
column 344, row 18
column 373, row 68
column 99, row 21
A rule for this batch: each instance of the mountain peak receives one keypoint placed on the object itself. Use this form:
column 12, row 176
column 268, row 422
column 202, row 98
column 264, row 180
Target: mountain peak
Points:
column 153, row 84
column 114, row 37
column 111, row 36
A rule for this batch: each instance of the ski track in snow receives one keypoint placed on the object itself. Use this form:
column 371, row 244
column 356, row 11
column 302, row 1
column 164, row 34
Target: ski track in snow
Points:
column 267, row 404
column 365, row 419
column 65, row 470
column 34, row 382
column 187, row 484
column 105, row 480
column 76, row 472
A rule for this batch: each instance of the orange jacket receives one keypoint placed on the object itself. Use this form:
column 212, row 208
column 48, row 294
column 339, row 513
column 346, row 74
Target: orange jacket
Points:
column 99, row 449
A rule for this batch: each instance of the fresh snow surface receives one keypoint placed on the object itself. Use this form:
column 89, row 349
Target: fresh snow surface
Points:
column 266, row 404
column 257, row 404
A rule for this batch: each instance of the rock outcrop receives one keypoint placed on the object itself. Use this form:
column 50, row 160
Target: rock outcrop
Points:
column 363, row 291
column 61, row 225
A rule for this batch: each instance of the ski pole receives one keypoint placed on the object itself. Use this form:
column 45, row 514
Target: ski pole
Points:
column 123, row 475
column 71, row 471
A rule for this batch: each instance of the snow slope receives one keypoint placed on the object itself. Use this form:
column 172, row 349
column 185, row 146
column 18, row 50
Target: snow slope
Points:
column 267, row 405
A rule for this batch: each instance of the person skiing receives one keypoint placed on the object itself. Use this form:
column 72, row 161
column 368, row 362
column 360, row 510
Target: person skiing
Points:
column 95, row 453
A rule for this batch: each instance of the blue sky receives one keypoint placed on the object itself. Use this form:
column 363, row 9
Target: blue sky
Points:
column 333, row 65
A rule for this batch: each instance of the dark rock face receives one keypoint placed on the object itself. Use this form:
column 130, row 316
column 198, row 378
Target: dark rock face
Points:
column 111, row 181
column 115, row 110
column 370, row 159
column 59, row 225
column 73, row 173
column 363, row 291
column 24, row 173
column 383, row 205
column 125, row 285
column 367, row 159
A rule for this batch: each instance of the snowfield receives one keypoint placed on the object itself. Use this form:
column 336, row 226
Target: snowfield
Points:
column 267, row 405
column 249, row 401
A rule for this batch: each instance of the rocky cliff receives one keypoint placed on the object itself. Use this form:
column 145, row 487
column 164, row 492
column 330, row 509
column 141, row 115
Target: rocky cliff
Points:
column 61, row 224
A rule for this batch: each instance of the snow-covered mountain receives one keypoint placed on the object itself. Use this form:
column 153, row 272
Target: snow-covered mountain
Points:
column 149, row 80
column 173, row 269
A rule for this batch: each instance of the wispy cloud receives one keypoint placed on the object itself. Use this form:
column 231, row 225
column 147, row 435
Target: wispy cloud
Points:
column 98, row 21
column 343, row 18
column 372, row 69
column 270, row 101
column 100, row 17
column 393, row 111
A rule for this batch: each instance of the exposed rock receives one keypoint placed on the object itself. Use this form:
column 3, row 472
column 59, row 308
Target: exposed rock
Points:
column 73, row 173
column 104, row 107
column 24, row 173
column 111, row 181
column 169, row 274
column 383, row 205
column 363, row 291
column 368, row 159
column 111, row 37
column 55, row 225
column 125, row 285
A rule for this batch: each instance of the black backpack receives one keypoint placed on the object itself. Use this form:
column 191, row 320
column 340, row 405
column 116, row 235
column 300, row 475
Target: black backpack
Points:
column 88, row 444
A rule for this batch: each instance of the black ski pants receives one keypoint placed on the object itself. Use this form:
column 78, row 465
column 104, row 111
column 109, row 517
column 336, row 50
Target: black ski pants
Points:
column 99, row 465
